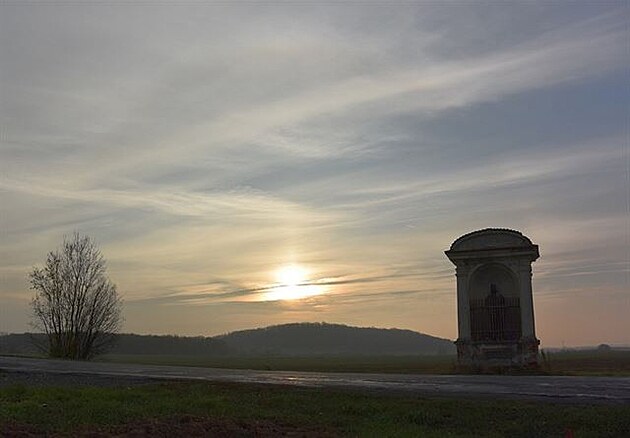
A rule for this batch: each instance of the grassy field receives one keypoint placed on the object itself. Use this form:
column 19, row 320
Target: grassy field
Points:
column 612, row 363
column 367, row 364
column 589, row 363
column 175, row 408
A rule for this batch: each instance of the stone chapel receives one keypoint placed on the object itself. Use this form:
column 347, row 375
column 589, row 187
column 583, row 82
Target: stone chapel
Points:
column 495, row 309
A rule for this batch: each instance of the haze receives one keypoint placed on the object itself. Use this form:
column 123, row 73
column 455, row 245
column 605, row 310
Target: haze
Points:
column 214, row 150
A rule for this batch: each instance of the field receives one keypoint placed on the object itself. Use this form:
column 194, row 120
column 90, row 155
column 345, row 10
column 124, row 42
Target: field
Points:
column 366, row 364
column 248, row 410
column 588, row 362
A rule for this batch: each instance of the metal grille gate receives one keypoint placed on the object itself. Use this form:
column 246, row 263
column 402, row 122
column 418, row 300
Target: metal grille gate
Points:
column 495, row 318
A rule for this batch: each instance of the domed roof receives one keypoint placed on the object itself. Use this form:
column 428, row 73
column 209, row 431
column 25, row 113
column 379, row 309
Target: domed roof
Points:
column 491, row 238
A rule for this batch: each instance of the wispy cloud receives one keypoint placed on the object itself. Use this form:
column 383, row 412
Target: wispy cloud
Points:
column 205, row 146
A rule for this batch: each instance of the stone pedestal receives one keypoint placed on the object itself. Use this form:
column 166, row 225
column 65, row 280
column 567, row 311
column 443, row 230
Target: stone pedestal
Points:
column 495, row 309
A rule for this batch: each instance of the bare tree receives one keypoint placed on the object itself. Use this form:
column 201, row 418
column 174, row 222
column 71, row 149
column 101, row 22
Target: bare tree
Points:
column 75, row 304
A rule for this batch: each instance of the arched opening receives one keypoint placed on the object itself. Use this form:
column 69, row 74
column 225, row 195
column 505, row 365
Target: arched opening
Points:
column 495, row 311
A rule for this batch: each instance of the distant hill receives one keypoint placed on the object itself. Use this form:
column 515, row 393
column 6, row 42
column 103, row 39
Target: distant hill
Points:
column 24, row 344
column 301, row 339
column 321, row 339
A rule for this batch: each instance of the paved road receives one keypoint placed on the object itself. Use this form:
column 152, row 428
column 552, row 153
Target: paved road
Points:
column 614, row 390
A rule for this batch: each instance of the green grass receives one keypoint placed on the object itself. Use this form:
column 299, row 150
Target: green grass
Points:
column 53, row 409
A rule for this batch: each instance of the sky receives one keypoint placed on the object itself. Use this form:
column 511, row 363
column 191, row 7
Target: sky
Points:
column 249, row 164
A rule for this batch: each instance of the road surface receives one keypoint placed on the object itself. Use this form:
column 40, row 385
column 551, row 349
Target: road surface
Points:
column 614, row 390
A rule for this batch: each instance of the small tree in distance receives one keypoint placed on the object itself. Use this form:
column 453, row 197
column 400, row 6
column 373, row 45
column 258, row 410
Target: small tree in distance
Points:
column 76, row 305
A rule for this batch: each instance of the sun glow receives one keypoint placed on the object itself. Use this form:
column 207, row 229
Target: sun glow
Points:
column 292, row 284
column 291, row 275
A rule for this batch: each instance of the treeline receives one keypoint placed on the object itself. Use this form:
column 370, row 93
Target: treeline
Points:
column 166, row 344
column 21, row 344
column 26, row 344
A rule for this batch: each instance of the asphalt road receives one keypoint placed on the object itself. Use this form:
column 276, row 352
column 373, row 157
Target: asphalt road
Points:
column 613, row 390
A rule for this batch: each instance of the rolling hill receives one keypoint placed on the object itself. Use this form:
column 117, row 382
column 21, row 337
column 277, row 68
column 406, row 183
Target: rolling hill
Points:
column 300, row 339
column 322, row 339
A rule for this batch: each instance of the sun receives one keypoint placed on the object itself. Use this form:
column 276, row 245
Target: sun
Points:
column 292, row 283
column 291, row 275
